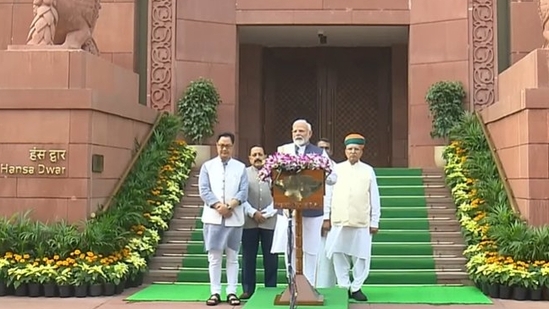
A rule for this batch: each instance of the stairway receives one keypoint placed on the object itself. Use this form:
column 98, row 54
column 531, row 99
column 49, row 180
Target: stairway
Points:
column 419, row 241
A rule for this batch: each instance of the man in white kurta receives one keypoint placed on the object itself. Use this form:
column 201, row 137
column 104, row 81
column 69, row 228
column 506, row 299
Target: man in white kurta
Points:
column 223, row 186
column 325, row 274
column 355, row 215
column 313, row 220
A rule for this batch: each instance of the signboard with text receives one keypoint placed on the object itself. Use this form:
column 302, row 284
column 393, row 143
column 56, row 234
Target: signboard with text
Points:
column 42, row 162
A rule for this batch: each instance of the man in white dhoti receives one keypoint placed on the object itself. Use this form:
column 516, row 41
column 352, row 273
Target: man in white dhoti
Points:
column 313, row 220
column 355, row 214
column 223, row 186
column 325, row 277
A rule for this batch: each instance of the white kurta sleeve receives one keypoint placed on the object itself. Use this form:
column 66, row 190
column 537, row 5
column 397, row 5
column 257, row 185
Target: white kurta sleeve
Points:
column 269, row 211
column 375, row 201
column 332, row 178
column 248, row 209
column 328, row 202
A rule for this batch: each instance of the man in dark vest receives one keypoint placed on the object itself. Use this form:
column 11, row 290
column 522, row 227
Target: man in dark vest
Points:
column 314, row 221
column 259, row 227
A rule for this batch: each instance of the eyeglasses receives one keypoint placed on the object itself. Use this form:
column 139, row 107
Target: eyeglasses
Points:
column 224, row 146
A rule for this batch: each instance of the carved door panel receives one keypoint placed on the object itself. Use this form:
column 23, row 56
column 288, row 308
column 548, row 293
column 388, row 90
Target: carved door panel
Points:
column 338, row 90
column 358, row 102
column 291, row 93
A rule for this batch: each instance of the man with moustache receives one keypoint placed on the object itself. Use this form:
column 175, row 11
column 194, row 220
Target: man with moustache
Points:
column 355, row 214
column 223, row 186
column 325, row 277
column 313, row 220
column 259, row 227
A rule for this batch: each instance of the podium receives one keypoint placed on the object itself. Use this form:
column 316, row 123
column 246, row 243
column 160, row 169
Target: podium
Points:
column 297, row 192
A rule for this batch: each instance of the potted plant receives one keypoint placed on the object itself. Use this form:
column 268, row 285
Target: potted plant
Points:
column 46, row 277
column 81, row 280
column 544, row 272
column 64, row 281
column 18, row 277
column 445, row 101
column 34, row 285
column 198, row 110
column 137, row 267
column 115, row 275
column 4, row 265
column 93, row 277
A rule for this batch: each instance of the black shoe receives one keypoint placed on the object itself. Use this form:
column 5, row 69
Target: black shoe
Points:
column 358, row 296
column 245, row 295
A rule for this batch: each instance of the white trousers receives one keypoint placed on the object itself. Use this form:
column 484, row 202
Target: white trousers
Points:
column 342, row 266
column 309, row 266
column 215, row 258
column 325, row 274
column 311, row 230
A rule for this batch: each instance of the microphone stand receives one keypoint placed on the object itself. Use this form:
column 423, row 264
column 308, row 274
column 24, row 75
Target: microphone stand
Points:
column 291, row 273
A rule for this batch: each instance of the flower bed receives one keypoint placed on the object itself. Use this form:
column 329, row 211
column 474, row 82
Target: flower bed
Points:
column 103, row 255
column 507, row 258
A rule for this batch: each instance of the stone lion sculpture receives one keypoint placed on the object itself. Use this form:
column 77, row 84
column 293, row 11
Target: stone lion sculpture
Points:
column 543, row 10
column 67, row 23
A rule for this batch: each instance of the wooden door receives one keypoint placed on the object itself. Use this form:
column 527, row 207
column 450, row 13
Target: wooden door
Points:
column 338, row 90
column 291, row 93
column 359, row 102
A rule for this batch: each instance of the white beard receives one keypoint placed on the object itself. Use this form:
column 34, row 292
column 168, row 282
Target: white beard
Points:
column 300, row 142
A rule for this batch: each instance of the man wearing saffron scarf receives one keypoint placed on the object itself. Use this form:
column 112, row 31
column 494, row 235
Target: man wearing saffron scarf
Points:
column 355, row 214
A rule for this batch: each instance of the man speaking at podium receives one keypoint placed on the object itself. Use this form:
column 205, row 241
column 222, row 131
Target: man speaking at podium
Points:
column 313, row 220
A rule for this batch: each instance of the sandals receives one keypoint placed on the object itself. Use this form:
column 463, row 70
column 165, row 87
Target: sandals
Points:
column 233, row 300
column 214, row 300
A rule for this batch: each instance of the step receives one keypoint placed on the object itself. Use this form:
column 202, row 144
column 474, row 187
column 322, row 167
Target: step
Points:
column 389, row 197
column 381, row 248
column 393, row 276
column 397, row 183
column 443, row 277
column 378, row 262
column 447, row 223
column 382, row 236
column 434, row 206
column 386, row 212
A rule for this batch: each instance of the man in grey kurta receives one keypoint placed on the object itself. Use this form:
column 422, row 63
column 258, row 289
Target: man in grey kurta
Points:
column 259, row 227
column 223, row 186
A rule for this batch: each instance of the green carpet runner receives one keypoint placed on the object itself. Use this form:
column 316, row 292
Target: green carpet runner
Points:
column 401, row 253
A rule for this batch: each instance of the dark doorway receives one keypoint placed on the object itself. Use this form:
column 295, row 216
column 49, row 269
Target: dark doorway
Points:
column 338, row 90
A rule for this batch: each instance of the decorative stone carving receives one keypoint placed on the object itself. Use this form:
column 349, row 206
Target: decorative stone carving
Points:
column 161, row 54
column 543, row 10
column 484, row 66
column 66, row 23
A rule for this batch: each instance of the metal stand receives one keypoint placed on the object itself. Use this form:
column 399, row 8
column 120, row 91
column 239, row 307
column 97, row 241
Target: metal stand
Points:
column 291, row 274
column 299, row 290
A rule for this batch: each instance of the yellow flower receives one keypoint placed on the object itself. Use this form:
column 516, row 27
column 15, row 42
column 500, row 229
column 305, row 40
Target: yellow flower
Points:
column 77, row 252
column 26, row 256
column 56, row 257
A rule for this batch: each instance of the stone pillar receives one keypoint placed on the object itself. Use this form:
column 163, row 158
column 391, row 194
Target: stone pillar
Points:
column 430, row 61
column 59, row 110
column 518, row 126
